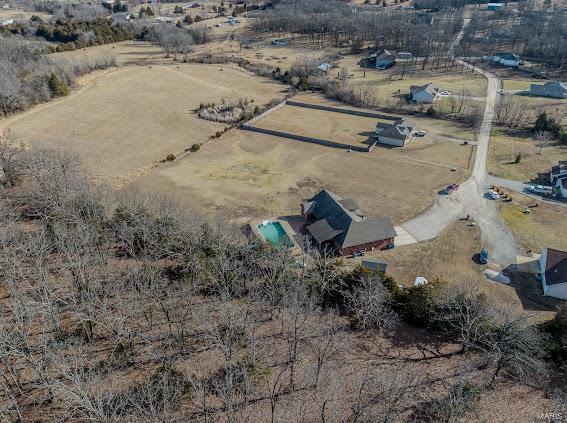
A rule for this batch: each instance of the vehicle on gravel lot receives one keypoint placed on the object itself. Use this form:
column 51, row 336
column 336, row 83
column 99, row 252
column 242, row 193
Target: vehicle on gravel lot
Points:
column 494, row 195
column 420, row 133
column 540, row 189
column 483, row 256
column 451, row 188
column 445, row 93
column 358, row 253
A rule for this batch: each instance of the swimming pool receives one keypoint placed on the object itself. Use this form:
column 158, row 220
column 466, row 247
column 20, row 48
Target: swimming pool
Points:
column 274, row 233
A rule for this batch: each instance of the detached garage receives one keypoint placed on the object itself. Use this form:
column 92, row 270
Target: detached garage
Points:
column 553, row 268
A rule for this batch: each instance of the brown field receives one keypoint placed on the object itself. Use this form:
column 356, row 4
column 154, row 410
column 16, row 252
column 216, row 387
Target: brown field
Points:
column 545, row 226
column 247, row 175
column 125, row 52
column 135, row 116
column 337, row 127
column 439, row 258
column 504, row 147
column 22, row 16
column 389, row 81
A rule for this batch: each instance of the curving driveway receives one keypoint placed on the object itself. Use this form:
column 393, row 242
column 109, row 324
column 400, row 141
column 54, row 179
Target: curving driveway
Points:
column 471, row 199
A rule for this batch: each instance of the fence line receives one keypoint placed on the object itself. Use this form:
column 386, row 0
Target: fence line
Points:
column 319, row 141
column 345, row 111
column 267, row 112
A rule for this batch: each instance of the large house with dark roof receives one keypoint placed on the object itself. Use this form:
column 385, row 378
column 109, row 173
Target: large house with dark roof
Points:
column 553, row 270
column 338, row 224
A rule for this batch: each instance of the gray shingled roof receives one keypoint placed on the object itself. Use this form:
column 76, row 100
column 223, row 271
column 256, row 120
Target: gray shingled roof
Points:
column 555, row 267
column 322, row 231
column 428, row 88
column 369, row 230
column 347, row 228
column 398, row 130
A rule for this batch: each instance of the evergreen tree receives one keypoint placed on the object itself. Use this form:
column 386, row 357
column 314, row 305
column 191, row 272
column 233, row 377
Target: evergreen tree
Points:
column 57, row 87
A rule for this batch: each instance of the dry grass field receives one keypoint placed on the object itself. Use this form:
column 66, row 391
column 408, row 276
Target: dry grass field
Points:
column 337, row 127
column 22, row 16
column 545, row 226
column 389, row 81
column 246, row 175
column 125, row 52
column 438, row 129
column 504, row 148
column 125, row 120
column 456, row 267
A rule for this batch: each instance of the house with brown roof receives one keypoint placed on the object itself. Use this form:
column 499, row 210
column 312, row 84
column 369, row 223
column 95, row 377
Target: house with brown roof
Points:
column 395, row 134
column 553, row 271
column 427, row 93
column 339, row 225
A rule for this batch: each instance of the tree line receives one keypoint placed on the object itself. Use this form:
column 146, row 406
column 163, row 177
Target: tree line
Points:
column 28, row 76
column 134, row 307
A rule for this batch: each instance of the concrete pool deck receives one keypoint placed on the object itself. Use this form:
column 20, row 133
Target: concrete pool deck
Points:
column 291, row 234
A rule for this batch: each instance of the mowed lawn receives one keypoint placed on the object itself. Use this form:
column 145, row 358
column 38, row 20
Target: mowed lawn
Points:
column 505, row 147
column 125, row 120
column 545, row 226
column 246, row 175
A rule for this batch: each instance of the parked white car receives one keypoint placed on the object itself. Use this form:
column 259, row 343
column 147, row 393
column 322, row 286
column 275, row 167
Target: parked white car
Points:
column 420, row 133
column 445, row 93
column 494, row 195
column 540, row 189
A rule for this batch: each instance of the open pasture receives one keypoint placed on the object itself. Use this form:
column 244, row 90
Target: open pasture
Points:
column 125, row 120
column 246, row 175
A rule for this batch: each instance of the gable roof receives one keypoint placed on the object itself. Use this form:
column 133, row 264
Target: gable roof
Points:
column 555, row 267
column 342, row 221
column 558, row 169
column 507, row 56
column 397, row 130
column 428, row 88
column 384, row 54
column 366, row 231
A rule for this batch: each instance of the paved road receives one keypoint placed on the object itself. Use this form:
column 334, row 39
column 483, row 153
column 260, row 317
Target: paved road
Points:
column 471, row 199
column 522, row 188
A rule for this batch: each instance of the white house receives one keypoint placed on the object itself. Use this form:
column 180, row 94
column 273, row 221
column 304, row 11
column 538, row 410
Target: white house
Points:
column 395, row 134
column 507, row 59
column 553, row 270
column 6, row 21
column 562, row 186
column 558, row 172
column 425, row 94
